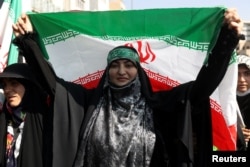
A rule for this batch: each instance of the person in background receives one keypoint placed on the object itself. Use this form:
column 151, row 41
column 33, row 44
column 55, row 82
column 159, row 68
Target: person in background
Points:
column 123, row 122
column 243, row 93
column 22, row 118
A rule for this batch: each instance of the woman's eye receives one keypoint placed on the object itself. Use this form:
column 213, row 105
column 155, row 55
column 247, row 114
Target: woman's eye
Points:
column 247, row 73
column 129, row 65
column 113, row 65
column 14, row 83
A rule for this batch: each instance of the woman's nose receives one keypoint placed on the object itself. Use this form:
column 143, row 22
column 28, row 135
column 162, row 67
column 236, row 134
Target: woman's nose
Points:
column 121, row 70
column 241, row 77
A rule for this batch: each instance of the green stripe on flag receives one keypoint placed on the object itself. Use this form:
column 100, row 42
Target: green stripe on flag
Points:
column 176, row 26
column 186, row 23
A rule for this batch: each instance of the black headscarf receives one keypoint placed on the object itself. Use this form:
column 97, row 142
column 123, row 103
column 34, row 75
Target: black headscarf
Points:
column 34, row 105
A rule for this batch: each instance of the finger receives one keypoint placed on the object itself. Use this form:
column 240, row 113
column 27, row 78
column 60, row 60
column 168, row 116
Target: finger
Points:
column 24, row 16
column 20, row 29
column 14, row 27
column 236, row 26
column 230, row 11
column 246, row 130
column 231, row 15
column 21, row 23
column 25, row 23
column 15, row 30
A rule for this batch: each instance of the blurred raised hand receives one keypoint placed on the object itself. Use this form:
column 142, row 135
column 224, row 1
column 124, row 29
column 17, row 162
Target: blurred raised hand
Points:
column 233, row 20
column 22, row 26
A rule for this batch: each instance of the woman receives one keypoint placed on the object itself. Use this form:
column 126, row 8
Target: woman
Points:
column 22, row 118
column 122, row 122
column 243, row 93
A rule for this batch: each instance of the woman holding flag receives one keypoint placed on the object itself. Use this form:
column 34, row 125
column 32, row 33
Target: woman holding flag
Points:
column 122, row 122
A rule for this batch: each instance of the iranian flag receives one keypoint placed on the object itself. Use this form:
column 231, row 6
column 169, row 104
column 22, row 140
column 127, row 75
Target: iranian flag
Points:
column 9, row 12
column 173, row 44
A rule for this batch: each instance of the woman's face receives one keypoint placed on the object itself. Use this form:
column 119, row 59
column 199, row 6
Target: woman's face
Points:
column 122, row 72
column 13, row 91
column 243, row 78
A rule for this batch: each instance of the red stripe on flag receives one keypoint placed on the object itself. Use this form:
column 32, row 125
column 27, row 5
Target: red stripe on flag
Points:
column 222, row 139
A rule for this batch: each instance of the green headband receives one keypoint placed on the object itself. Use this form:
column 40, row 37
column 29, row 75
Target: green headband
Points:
column 122, row 53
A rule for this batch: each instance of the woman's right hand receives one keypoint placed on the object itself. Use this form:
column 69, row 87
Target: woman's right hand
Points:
column 246, row 133
column 233, row 20
column 22, row 26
